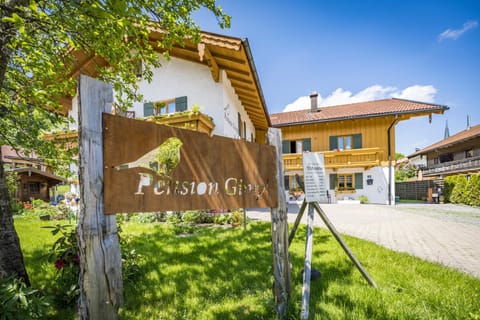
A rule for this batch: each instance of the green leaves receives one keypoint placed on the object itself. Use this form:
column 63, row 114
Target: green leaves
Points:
column 39, row 65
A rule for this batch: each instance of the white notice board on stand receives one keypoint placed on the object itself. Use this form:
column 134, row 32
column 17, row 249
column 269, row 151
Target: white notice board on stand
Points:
column 314, row 177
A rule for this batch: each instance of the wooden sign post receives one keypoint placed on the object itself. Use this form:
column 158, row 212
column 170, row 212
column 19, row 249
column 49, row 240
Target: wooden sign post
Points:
column 282, row 272
column 101, row 287
column 315, row 192
column 129, row 165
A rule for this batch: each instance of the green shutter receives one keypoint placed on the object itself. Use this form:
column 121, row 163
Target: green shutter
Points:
column 181, row 104
column 357, row 141
column 286, row 146
column 358, row 180
column 307, row 144
column 333, row 143
column 148, row 109
column 287, row 182
column 239, row 124
column 333, row 181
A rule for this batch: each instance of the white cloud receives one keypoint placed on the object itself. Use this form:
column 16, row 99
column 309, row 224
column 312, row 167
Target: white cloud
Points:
column 375, row 92
column 418, row 93
column 456, row 33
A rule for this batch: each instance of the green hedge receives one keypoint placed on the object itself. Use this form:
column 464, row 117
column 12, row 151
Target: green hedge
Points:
column 458, row 189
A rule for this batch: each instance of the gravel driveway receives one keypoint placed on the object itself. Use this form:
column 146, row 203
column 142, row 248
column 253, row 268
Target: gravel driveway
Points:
column 443, row 233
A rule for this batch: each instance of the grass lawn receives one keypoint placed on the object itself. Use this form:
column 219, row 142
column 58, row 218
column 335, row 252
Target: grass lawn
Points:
column 226, row 273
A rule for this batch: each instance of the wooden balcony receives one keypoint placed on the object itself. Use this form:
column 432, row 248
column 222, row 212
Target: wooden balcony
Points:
column 354, row 158
column 196, row 121
column 453, row 167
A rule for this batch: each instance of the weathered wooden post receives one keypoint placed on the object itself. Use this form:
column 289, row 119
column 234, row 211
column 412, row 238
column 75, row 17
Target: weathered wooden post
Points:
column 281, row 260
column 101, row 288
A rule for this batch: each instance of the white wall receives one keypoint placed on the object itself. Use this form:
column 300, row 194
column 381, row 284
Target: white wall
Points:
column 376, row 193
column 177, row 77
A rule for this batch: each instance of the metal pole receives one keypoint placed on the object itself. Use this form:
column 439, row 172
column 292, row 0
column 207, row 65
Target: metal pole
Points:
column 344, row 245
column 308, row 264
column 297, row 222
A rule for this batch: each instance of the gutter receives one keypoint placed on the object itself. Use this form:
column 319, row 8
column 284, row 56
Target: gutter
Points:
column 375, row 115
column 395, row 121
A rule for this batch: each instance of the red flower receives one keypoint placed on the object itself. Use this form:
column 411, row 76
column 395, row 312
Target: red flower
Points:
column 60, row 263
column 76, row 258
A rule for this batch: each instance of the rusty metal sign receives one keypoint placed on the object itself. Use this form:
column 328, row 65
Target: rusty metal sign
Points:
column 150, row 167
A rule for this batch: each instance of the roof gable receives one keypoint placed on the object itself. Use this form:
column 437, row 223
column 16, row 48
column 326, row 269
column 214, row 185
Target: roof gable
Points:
column 472, row 132
column 215, row 51
column 375, row 108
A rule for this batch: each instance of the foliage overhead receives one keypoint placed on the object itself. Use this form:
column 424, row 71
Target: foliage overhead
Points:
column 37, row 42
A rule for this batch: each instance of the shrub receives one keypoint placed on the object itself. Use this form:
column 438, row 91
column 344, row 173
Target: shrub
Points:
column 448, row 186
column 458, row 191
column 65, row 257
column 363, row 199
column 17, row 301
column 236, row 217
column 472, row 191
column 196, row 217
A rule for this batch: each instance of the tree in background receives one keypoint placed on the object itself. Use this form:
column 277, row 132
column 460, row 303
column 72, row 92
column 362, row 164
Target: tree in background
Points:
column 37, row 39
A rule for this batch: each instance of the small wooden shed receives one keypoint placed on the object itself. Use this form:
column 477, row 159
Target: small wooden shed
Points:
column 35, row 184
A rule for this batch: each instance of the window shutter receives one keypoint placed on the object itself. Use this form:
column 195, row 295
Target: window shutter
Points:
column 307, row 144
column 181, row 104
column 358, row 180
column 239, row 124
column 148, row 109
column 287, row 182
column 357, row 141
column 333, row 143
column 333, row 181
column 286, row 146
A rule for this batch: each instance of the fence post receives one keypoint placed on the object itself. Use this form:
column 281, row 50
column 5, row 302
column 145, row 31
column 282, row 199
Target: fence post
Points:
column 279, row 230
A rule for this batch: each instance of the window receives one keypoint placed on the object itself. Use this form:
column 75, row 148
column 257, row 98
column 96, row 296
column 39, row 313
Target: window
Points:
column 34, row 187
column 346, row 142
column 446, row 157
column 165, row 106
column 296, row 146
column 346, row 181
column 469, row 153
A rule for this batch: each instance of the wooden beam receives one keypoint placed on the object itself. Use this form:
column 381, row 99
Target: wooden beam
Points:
column 212, row 64
column 282, row 273
column 101, row 288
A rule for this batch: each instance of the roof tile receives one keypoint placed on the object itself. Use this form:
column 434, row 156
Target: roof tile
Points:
column 376, row 108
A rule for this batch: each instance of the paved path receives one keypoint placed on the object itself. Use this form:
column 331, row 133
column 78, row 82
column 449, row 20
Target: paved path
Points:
column 443, row 233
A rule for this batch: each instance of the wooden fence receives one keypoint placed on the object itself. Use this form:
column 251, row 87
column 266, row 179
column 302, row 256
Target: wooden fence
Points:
column 413, row 190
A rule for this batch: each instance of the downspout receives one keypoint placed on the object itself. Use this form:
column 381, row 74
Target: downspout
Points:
column 390, row 160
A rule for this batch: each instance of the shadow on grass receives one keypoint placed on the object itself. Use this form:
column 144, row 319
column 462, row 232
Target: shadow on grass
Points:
column 220, row 273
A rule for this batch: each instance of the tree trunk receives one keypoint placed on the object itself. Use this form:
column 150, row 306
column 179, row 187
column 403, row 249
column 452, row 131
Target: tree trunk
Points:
column 11, row 257
column 101, row 288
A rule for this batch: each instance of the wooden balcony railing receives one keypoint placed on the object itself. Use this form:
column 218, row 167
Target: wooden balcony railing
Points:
column 451, row 167
column 366, row 157
column 196, row 121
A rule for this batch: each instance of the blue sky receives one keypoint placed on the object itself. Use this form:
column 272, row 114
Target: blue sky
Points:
column 350, row 51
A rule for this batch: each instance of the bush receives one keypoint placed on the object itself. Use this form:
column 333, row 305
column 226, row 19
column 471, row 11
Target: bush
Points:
column 457, row 189
column 363, row 199
column 17, row 301
column 197, row 217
